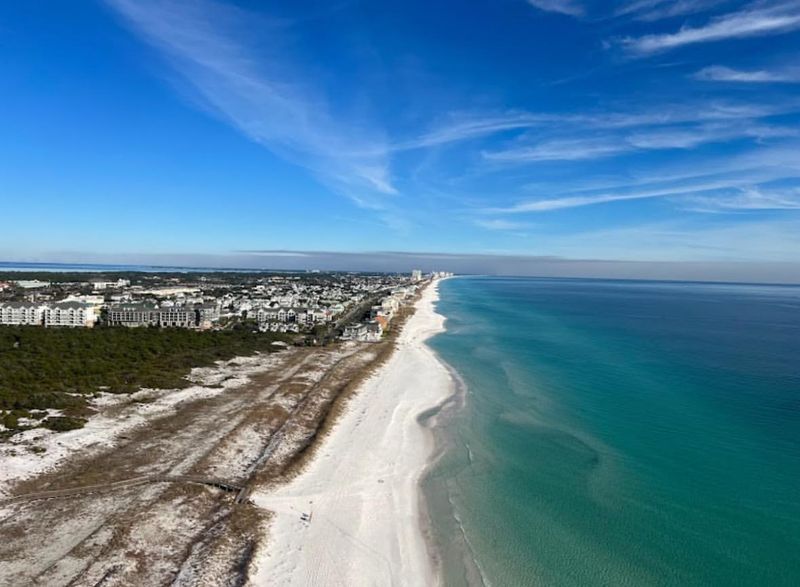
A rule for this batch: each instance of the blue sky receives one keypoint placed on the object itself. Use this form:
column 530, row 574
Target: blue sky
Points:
column 638, row 131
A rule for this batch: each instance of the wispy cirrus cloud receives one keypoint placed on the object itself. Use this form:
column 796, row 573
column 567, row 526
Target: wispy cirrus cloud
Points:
column 550, row 204
column 755, row 21
column 653, row 10
column 746, row 199
column 690, row 137
column 672, row 137
column 759, row 165
column 736, row 183
column 576, row 149
column 260, row 91
column 723, row 185
column 568, row 7
column 501, row 224
column 468, row 126
column 720, row 73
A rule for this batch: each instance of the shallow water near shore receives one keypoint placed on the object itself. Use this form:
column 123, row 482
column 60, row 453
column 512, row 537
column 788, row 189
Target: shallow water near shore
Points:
column 618, row 433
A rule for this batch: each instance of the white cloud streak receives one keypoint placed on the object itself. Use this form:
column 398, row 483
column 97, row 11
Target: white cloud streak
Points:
column 559, row 150
column 752, row 22
column 568, row 7
column 757, row 166
column 653, row 10
column 467, row 127
column 720, row 73
column 577, row 149
column 548, row 205
column 501, row 224
column 748, row 199
column 728, row 186
column 261, row 96
column 474, row 126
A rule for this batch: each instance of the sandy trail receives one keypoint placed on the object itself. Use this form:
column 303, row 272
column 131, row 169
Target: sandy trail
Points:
column 361, row 490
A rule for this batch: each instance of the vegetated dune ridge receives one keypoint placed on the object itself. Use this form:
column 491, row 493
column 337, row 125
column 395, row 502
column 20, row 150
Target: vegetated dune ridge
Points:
column 361, row 489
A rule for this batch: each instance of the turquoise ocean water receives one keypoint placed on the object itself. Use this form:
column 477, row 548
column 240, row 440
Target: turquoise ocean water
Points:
column 619, row 433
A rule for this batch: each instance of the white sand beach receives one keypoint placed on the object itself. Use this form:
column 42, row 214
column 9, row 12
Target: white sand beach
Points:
column 361, row 490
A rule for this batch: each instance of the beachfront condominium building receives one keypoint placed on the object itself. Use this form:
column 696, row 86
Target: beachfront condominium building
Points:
column 176, row 317
column 132, row 315
column 416, row 275
column 365, row 332
column 21, row 314
column 69, row 314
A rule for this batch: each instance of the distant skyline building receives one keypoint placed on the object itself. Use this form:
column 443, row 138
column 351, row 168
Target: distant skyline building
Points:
column 416, row 275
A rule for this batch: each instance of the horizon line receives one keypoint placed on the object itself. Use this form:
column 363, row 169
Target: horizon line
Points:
column 106, row 268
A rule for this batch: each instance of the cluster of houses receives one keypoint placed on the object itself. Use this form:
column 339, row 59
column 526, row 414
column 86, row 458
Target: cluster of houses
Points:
column 282, row 304
column 291, row 303
column 288, row 319
column 380, row 315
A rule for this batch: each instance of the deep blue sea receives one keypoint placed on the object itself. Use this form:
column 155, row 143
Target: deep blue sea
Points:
column 619, row 433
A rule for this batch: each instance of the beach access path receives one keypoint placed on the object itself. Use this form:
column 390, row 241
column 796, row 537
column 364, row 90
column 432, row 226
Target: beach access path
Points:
column 352, row 517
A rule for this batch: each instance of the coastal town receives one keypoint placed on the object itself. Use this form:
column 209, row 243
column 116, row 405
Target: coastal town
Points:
column 350, row 306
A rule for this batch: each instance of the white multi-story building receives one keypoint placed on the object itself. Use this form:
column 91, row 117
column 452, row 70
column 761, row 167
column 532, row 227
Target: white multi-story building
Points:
column 416, row 275
column 366, row 332
column 21, row 314
column 73, row 314
column 32, row 283
column 167, row 316
column 70, row 314
column 207, row 315
column 132, row 315
column 103, row 285
column 390, row 305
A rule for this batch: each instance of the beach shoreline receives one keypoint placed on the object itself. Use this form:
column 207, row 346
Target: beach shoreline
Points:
column 361, row 491
column 452, row 553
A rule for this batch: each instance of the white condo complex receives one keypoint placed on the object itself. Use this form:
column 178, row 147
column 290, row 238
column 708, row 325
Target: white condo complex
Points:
column 69, row 314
